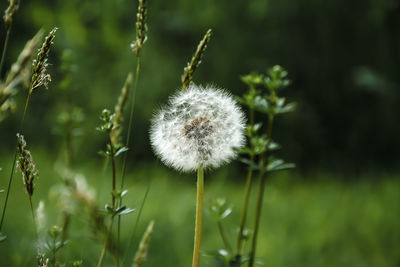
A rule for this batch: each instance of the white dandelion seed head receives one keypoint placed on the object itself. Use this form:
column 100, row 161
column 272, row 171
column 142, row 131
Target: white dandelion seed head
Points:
column 198, row 127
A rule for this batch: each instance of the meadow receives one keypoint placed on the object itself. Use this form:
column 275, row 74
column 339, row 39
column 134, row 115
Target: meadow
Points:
column 222, row 134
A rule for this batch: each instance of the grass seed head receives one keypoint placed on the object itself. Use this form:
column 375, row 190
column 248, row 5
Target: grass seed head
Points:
column 21, row 70
column 40, row 64
column 141, row 28
column 119, row 110
column 195, row 62
column 10, row 12
column 141, row 253
column 26, row 165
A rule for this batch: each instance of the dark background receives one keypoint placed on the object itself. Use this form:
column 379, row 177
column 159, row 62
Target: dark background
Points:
column 342, row 57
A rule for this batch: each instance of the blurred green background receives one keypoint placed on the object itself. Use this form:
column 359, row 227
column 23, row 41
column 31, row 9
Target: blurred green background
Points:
column 340, row 207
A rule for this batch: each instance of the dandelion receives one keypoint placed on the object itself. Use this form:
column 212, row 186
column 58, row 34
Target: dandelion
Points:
column 199, row 128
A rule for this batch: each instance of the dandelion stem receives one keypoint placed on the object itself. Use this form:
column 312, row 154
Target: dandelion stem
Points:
column 260, row 194
column 199, row 217
column 3, row 55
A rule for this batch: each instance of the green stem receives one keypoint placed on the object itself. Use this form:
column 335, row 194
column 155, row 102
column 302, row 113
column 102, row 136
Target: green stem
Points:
column 14, row 162
column 223, row 236
column 199, row 217
column 260, row 193
column 132, row 237
column 113, row 173
column 5, row 48
column 104, row 250
column 246, row 193
column 127, row 143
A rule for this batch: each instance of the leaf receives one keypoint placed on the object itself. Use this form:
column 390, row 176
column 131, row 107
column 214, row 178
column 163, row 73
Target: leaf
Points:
column 219, row 209
column 3, row 237
column 251, row 164
column 287, row 108
column 273, row 146
column 120, row 151
column 278, row 165
column 123, row 210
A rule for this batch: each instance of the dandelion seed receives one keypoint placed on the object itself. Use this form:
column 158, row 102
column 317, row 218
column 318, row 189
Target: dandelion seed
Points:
column 199, row 127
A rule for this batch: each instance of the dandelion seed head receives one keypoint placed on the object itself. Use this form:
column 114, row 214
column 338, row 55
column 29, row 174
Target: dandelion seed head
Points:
column 200, row 126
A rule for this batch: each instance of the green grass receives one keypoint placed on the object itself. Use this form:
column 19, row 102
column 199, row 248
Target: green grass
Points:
column 323, row 221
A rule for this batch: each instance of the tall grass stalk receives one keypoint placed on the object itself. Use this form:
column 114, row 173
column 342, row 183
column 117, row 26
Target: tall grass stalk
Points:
column 4, row 49
column 39, row 77
column 195, row 61
column 137, row 45
column 8, row 20
column 260, row 191
column 199, row 217
column 132, row 237
column 142, row 251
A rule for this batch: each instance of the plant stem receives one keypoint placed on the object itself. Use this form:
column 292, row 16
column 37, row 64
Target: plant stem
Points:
column 133, row 98
column 113, row 174
column 223, row 236
column 246, row 193
column 199, row 217
column 3, row 55
column 14, row 162
column 104, row 250
column 137, row 220
column 260, row 193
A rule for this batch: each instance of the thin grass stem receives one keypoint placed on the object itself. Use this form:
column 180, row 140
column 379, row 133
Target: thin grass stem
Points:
column 123, row 173
column 14, row 162
column 3, row 55
column 132, row 238
column 199, row 217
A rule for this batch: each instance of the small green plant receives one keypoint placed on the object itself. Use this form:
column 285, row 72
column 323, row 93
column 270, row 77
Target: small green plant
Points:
column 112, row 151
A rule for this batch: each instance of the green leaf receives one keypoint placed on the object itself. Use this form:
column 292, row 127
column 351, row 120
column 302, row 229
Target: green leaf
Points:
column 3, row 237
column 219, row 209
column 273, row 146
column 125, row 211
column 120, row 151
column 287, row 108
column 250, row 163
column 278, row 165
